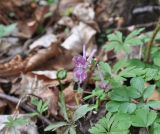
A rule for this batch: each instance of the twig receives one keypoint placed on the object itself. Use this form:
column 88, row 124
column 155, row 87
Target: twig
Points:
column 24, row 106
column 150, row 43
column 150, row 24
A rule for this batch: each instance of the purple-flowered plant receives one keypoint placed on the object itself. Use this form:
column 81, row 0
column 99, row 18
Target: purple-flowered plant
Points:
column 81, row 64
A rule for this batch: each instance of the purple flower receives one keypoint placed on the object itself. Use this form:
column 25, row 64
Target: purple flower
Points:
column 81, row 64
column 80, row 74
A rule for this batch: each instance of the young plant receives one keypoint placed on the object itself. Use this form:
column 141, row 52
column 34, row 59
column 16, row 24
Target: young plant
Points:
column 5, row 30
column 112, row 124
column 127, row 99
column 13, row 122
column 99, row 94
column 119, row 43
column 68, row 125
column 41, row 106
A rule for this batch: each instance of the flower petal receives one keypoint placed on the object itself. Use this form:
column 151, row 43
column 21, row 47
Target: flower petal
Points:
column 79, row 61
column 80, row 74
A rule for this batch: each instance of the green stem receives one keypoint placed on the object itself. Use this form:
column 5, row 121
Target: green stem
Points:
column 61, row 86
column 150, row 44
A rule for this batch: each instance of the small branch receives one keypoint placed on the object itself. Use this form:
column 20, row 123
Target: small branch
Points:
column 150, row 44
column 23, row 106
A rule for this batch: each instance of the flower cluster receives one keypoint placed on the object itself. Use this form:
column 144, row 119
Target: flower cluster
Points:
column 81, row 65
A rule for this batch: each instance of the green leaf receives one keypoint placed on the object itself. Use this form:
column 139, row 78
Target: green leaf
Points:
column 110, row 45
column 112, row 124
column 81, row 111
column 55, row 126
column 127, row 107
column 39, row 106
column 134, row 33
column 67, row 130
column 72, row 130
column 123, row 107
column 155, row 128
column 143, row 118
column 148, row 91
column 117, row 36
column 20, row 121
column 51, row 2
column 119, row 94
column 133, row 39
column 133, row 93
column 115, row 42
column 113, row 106
column 34, row 101
column 13, row 122
column 5, row 30
column 105, row 67
column 154, row 104
column 119, row 65
column 138, row 83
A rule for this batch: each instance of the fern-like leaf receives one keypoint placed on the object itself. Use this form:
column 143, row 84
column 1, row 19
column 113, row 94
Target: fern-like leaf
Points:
column 112, row 124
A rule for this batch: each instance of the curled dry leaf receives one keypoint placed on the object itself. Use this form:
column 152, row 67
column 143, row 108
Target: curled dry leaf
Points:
column 14, row 67
column 29, row 128
column 66, row 4
column 80, row 35
column 66, row 21
column 7, row 43
column 45, row 41
column 50, row 74
column 84, row 12
column 50, row 79
column 25, row 29
column 42, row 56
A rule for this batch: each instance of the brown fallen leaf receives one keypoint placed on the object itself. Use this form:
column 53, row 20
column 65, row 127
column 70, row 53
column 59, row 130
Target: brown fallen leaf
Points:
column 45, row 41
column 32, row 85
column 66, row 4
column 14, row 67
column 42, row 56
column 72, row 97
column 80, row 35
column 84, row 12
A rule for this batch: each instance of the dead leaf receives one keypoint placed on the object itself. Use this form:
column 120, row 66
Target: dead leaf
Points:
column 50, row 74
column 66, row 21
column 45, row 41
column 32, row 85
column 42, row 56
column 72, row 98
column 80, row 35
column 14, row 67
column 84, row 12
column 64, row 5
